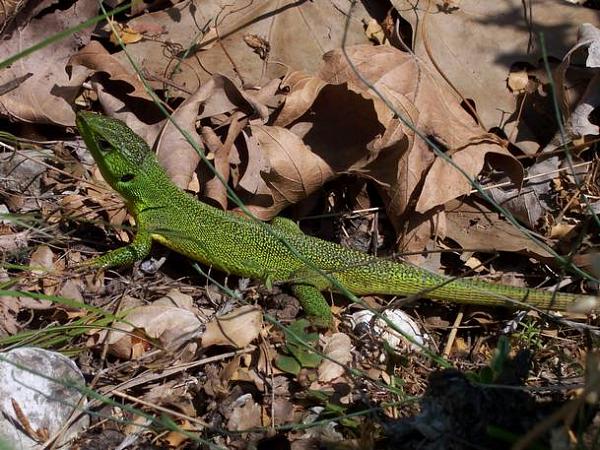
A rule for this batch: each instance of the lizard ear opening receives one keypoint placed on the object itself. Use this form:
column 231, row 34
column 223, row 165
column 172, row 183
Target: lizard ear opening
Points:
column 127, row 177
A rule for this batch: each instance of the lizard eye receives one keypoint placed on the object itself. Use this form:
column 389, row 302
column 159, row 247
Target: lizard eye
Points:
column 127, row 177
column 103, row 144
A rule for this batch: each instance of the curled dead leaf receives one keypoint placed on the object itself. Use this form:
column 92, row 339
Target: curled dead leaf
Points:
column 578, row 120
column 95, row 57
column 293, row 172
column 400, row 157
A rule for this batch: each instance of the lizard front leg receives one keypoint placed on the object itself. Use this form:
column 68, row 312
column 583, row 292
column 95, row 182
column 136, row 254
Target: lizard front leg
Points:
column 124, row 256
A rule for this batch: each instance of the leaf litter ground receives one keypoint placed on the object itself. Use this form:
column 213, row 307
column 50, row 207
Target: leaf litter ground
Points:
column 327, row 136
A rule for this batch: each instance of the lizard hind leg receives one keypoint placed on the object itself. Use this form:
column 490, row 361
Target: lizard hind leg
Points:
column 307, row 284
column 314, row 304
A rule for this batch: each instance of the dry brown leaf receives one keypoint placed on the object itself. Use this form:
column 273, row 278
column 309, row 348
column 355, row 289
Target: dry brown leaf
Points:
column 215, row 188
column 237, row 328
column 98, row 204
column 96, row 58
column 478, row 68
column 124, row 34
column 303, row 90
column 283, row 410
column 71, row 289
column 577, row 102
column 218, row 95
column 9, row 308
column 528, row 203
column 590, row 262
column 518, row 80
column 41, row 263
column 444, row 182
column 361, row 135
column 339, row 139
column 126, row 99
column 578, row 120
column 245, row 414
column 177, row 298
column 146, row 28
column 474, row 226
column 433, row 110
column 561, row 230
column 338, row 347
column 223, row 49
column 127, row 303
column 176, row 439
column 175, row 154
column 114, row 105
column 224, row 96
column 251, row 180
column 170, row 392
column 579, row 124
column 21, row 174
column 43, row 92
column 9, row 10
column 14, row 241
column 173, row 326
column 397, row 158
column 292, row 171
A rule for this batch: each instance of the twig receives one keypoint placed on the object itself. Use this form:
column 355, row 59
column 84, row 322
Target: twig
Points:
column 453, row 332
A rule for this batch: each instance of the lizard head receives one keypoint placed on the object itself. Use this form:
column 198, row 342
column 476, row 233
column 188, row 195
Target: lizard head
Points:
column 121, row 154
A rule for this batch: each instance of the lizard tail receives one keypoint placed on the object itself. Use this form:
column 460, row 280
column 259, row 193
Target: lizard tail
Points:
column 481, row 292
column 387, row 277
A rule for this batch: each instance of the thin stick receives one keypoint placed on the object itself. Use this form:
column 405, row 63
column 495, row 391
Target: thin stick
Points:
column 453, row 332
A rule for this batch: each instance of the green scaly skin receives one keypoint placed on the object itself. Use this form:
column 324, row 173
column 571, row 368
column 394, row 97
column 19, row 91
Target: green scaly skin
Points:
column 243, row 247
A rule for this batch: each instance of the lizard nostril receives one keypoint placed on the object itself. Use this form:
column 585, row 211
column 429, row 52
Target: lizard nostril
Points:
column 127, row 177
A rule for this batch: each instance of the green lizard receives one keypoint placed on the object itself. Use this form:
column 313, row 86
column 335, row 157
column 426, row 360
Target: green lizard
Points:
column 244, row 247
